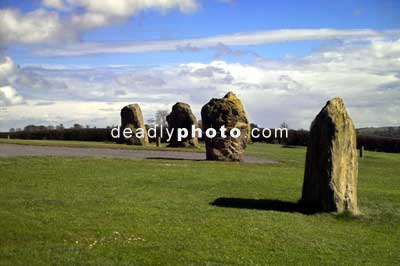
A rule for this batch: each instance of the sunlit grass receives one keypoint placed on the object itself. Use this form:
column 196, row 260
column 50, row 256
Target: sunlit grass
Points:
column 96, row 144
column 98, row 211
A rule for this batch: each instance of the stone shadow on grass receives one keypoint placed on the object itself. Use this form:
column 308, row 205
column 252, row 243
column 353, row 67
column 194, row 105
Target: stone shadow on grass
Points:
column 289, row 146
column 263, row 204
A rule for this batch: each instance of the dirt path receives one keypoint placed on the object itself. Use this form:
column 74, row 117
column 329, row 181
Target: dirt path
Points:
column 8, row 150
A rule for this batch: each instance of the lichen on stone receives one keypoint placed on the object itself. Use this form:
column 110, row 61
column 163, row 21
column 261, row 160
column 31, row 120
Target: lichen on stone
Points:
column 229, row 112
column 182, row 116
column 131, row 117
column 331, row 170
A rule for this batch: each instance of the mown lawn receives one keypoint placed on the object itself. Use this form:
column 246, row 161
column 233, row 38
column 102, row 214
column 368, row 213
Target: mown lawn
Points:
column 96, row 144
column 97, row 211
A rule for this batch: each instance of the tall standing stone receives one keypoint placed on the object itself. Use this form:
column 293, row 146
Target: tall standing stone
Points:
column 181, row 116
column 331, row 170
column 131, row 117
column 228, row 112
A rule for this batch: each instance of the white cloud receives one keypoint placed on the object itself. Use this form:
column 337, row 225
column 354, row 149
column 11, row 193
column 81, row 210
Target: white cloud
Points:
column 56, row 4
column 44, row 25
column 90, row 20
column 101, row 13
column 9, row 96
column 63, row 21
column 7, row 69
column 126, row 8
column 366, row 75
column 94, row 113
column 36, row 26
column 238, row 39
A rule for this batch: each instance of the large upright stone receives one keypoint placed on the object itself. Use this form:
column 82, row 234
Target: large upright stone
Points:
column 181, row 116
column 228, row 112
column 331, row 170
column 131, row 117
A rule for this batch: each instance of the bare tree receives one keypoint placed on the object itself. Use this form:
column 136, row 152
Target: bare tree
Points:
column 161, row 117
column 150, row 122
column 284, row 125
column 77, row 126
column 253, row 125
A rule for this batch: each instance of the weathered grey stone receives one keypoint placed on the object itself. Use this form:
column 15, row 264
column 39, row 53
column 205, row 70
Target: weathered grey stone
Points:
column 229, row 112
column 331, row 169
column 131, row 117
column 181, row 116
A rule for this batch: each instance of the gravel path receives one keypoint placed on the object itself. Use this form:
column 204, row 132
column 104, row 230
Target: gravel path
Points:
column 8, row 150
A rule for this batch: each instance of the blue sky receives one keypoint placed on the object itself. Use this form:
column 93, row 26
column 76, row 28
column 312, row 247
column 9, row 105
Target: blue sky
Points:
column 219, row 17
column 302, row 46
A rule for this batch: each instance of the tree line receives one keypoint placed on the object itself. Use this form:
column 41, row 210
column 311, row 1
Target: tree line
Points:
column 85, row 133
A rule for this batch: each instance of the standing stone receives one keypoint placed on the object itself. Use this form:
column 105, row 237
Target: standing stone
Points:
column 182, row 117
column 228, row 112
column 331, row 170
column 131, row 117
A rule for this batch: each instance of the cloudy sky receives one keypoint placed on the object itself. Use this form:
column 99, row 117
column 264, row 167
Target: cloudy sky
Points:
column 81, row 61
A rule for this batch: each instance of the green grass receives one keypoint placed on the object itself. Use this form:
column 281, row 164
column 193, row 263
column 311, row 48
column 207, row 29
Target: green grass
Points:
column 98, row 211
column 95, row 144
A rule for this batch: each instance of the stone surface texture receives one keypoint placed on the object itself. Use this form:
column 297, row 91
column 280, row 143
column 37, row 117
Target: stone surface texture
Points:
column 331, row 168
column 182, row 116
column 131, row 117
column 229, row 112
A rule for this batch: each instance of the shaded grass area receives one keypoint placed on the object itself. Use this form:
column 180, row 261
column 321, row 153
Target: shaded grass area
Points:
column 97, row 211
column 96, row 144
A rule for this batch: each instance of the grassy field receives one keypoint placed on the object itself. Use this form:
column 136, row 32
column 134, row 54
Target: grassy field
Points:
column 95, row 144
column 97, row 211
